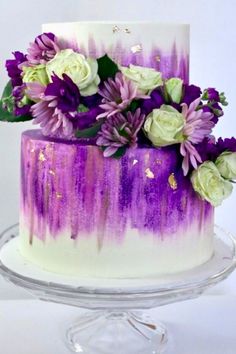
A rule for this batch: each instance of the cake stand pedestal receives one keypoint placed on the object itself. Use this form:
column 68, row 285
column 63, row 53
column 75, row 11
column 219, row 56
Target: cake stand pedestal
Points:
column 114, row 322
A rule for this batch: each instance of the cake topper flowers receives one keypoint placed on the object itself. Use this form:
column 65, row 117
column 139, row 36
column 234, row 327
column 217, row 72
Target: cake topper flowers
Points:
column 73, row 96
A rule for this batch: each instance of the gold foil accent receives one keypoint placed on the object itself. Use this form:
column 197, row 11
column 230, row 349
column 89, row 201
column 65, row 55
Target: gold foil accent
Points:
column 115, row 29
column 149, row 173
column 158, row 58
column 58, row 195
column 126, row 30
column 172, row 181
column 135, row 161
column 158, row 161
column 136, row 48
column 52, row 172
column 41, row 156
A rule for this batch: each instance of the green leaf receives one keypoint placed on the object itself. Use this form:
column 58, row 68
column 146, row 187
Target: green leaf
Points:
column 6, row 116
column 107, row 68
column 7, row 92
column 119, row 153
column 133, row 106
column 89, row 132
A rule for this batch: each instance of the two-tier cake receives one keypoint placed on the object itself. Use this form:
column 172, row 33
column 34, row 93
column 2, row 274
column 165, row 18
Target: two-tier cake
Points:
column 123, row 177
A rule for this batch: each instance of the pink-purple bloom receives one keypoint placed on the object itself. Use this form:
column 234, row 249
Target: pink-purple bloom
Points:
column 57, row 106
column 120, row 131
column 198, row 125
column 118, row 93
column 43, row 49
column 20, row 108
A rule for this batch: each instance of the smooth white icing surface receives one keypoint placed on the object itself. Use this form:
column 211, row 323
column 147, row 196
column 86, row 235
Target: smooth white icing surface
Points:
column 136, row 256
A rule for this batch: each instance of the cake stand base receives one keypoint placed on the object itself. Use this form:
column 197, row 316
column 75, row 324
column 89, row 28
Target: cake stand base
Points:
column 113, row 323
column 116, row 332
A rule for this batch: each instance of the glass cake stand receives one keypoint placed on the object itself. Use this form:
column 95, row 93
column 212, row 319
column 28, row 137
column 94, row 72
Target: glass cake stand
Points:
column 114, row 322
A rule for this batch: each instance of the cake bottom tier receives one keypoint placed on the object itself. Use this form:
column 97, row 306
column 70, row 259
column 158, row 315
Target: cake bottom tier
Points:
column 136, row 256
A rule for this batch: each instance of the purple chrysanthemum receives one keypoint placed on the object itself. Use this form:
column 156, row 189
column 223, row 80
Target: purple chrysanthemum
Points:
column 198, row 125
column 120, row 131
column 57, row 106
column 43, row 49
column 12, row 66
column 117, row 95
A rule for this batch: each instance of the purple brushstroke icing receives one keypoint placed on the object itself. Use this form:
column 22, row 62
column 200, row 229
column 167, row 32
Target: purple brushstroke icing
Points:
column 172, row 63
column 71, row 187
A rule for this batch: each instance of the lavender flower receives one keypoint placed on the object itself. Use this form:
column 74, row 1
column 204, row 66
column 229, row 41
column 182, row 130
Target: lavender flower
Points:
column 198, row 125
column 120, row 131
column 12, row 66
column 118, row 94
column 57, row 106
column 43, row 49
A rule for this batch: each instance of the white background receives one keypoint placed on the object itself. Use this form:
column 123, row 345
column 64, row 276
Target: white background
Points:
column 212, row 63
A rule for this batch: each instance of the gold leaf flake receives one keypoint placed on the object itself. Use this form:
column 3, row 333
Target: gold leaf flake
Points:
column 172, row 181
column 136, row 48
column 135, row 161
column 149, row 173
column 58, row 195
column 115, row 29
column 41, row 156
column 158, row 58
column 52, row 172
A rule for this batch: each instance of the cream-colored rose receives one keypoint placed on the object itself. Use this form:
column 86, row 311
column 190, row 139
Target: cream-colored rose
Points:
column 146, row 79
column 164, row 126
column 83, row 72
column 226, row 164
column 174, row 88
column 36, row 73
column 209, row 184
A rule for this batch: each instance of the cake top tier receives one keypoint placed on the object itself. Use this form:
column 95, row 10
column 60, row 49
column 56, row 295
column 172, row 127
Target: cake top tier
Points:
column 164, row 47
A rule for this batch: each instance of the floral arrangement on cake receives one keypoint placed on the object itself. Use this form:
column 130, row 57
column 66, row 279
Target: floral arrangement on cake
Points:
column 73, row 97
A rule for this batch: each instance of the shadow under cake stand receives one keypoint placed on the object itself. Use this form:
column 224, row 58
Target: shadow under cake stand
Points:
column 114, row 323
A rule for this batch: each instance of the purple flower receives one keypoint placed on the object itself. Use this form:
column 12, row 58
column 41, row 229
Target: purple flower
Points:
column 228, row 144
column 215, row 109
column 20, row 107
column 120, row 131
column 65, row 92
column 191, row 93
column 57, row 106
column 155, row 101
column 118, row 94
column 211, row 94
column 43, row 49
column 12, row 66
column 84, row 120
column 198, row 125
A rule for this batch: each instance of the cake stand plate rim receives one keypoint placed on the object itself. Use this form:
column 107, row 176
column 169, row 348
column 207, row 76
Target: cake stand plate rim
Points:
column 151, row 286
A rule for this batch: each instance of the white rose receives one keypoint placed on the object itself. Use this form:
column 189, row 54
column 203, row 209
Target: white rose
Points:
column 226, row 164
column 82, row 71
column 209, row 184
column 146, row 79
column 164, row 126
column 174, row 88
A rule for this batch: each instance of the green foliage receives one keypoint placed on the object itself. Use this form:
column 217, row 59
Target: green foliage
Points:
column 90, row 132
column 107, row 68
column 7, row 106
